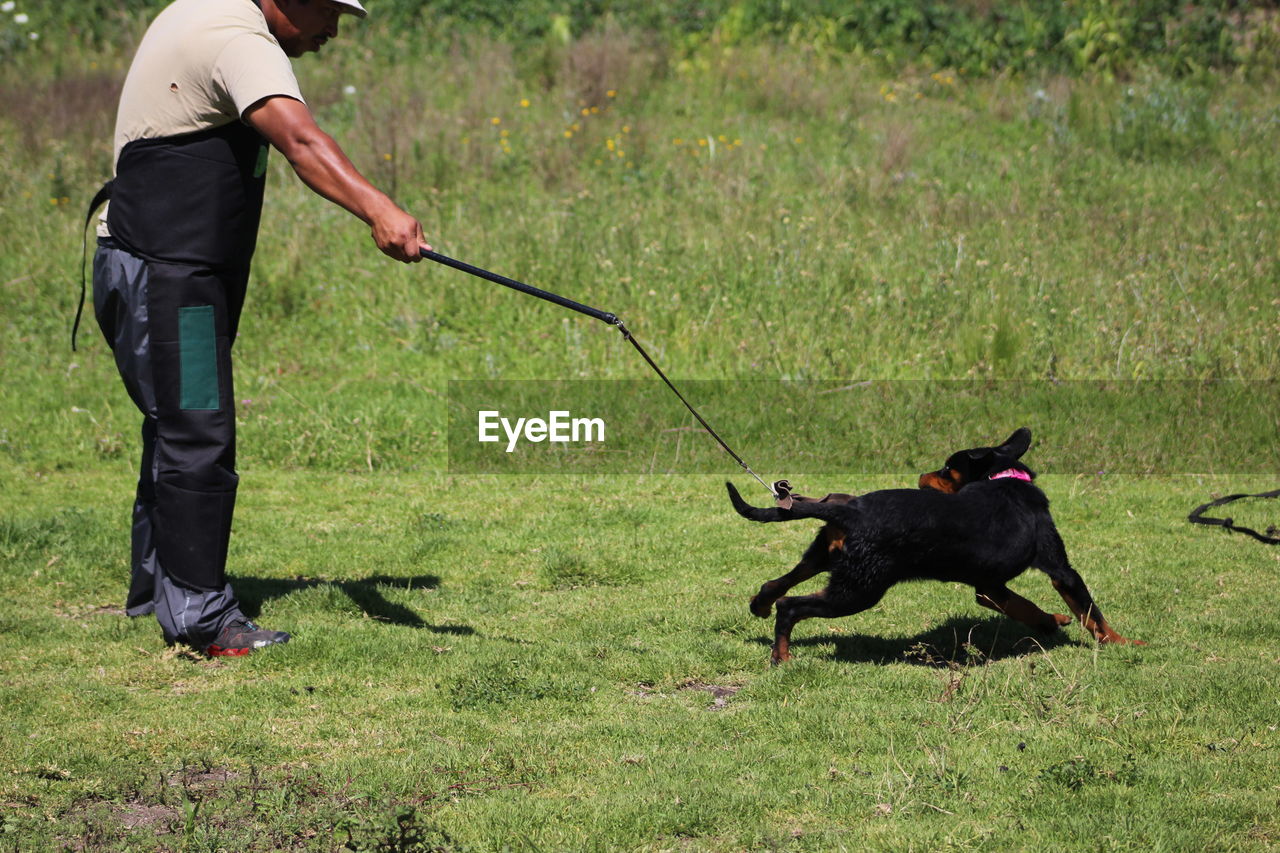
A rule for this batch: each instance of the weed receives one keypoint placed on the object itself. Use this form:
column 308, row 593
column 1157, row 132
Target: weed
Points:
column 398, row 832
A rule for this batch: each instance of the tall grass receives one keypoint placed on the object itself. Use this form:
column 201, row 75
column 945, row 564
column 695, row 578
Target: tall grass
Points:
column 750, row 212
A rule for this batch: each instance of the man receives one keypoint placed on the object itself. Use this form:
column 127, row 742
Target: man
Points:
column 210, row 87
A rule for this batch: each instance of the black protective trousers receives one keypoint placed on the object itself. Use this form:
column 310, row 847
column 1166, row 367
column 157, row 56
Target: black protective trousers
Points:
column 170, row 327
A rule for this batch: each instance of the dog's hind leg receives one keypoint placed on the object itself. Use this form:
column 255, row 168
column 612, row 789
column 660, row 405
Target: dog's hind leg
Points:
column 814, row 562
column 1067, row 581
column 1006, row 601
column 821, row 605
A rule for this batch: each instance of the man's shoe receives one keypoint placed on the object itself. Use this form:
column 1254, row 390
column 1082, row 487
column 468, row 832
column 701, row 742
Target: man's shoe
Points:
column 240, row 636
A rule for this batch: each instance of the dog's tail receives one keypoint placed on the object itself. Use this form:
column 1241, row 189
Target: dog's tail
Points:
column 829, row 512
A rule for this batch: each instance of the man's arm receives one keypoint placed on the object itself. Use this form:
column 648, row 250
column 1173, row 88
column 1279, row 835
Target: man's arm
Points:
column 289, row 126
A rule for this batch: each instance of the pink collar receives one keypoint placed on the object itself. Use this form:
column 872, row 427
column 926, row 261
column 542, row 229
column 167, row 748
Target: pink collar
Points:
column 1011, row 473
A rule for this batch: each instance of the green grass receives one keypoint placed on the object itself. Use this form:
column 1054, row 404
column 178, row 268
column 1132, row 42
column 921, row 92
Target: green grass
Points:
column 551, row 661
column 589, row 678
column 1008, row 229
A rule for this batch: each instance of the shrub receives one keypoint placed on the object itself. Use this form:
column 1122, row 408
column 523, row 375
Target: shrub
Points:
column 1113, row 38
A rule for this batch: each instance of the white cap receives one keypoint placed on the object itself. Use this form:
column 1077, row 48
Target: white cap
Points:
column 351, row 6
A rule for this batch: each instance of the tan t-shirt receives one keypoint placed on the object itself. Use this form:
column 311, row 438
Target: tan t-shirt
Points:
column 201, row 64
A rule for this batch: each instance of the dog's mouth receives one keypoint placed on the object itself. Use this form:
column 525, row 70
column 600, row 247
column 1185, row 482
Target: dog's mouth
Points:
column 940, row 481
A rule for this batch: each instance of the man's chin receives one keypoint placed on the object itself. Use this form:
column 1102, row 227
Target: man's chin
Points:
column 295, row 49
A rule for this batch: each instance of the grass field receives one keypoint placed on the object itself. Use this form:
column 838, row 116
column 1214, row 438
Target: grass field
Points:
column 588, row 677
column 566, row 661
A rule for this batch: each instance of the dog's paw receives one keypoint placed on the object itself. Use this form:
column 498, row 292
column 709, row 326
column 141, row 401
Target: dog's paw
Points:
column 761, row 607
column 1117, row 640
column 1056, row 621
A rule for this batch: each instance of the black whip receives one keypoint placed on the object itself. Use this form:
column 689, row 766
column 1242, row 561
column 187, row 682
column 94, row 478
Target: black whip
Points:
column 603, row 316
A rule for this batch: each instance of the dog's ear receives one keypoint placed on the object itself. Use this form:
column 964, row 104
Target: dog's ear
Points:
column 1017, row 444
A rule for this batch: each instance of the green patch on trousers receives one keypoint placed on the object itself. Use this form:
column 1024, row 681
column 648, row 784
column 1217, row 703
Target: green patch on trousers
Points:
column 198, row 354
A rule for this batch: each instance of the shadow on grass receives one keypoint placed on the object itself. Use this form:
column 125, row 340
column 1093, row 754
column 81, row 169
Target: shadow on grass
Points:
column 959, row 640
column 364, row 593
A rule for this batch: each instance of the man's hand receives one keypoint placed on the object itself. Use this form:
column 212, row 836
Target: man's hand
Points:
column 289, row 126
column 398, row 234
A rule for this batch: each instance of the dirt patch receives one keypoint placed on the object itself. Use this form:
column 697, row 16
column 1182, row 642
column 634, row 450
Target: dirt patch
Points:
column 224, row 804
column 98, row 824
column 144, row 815
column 720, row 693
column 202, row 780
column 82, row 610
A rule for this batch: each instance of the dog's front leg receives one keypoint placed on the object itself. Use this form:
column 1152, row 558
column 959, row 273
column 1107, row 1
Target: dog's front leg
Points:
column 1069, row 584
column 1006, row 601
column 1077, row 597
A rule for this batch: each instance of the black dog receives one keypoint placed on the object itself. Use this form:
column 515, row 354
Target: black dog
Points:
column 977, row 520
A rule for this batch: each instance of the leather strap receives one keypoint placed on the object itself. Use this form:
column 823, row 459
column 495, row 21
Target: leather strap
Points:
column 1197, row 517
column 102, row 195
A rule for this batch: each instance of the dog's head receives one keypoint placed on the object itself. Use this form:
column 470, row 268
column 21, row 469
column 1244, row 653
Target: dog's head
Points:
column 981, row 463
